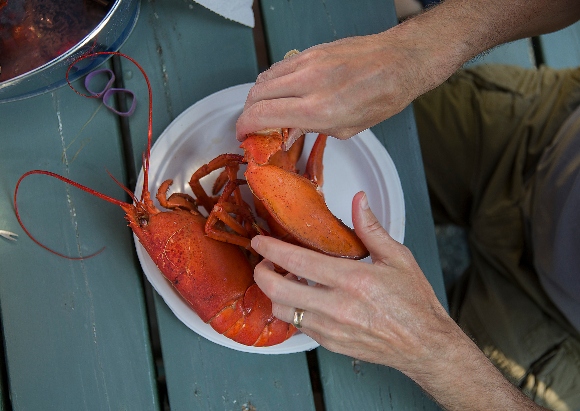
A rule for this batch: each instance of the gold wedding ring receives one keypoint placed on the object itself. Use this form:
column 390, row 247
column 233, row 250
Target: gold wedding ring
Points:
column 298, row 315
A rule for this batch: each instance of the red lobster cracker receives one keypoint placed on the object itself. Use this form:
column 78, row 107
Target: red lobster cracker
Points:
column 215, row 277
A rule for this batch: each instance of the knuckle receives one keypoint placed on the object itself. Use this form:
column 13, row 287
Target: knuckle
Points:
column 264, row 281
column 325, row 109
column 319, row 112
column 359, row 285
column 308, row 55
column 404, row 258
column 278, row 311
column 272, row 289
column 295, row 262
column 406, row 255
column 258, row 111
column 253, row 94
column 319, row 53
column 263, row 76
column 374, row 227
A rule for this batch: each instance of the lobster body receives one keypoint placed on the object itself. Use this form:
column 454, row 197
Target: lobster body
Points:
column 214, row 278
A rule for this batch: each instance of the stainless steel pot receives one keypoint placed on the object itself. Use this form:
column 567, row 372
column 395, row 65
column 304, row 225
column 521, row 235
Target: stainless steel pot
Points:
column 108, row 35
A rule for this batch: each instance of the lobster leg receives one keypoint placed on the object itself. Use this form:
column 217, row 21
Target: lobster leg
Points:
column 314, row 167
column 221, row 212
column 243, row 225
column 231, row 162
column 175, row 200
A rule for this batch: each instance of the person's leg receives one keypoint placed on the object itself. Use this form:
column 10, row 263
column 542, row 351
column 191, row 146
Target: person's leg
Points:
column 484, row 118
column 482, row 134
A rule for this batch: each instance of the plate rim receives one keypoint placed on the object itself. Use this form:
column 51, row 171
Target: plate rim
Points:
column 169, row 136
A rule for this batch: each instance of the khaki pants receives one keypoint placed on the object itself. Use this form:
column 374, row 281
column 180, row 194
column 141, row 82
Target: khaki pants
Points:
column 482, row 134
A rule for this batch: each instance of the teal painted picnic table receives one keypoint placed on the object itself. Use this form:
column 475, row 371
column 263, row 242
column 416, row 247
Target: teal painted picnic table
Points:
column 91, row 334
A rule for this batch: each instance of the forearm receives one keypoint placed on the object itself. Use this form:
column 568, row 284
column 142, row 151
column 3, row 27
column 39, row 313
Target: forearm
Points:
column 446, row 36
column 460, row 377
column 343, row 87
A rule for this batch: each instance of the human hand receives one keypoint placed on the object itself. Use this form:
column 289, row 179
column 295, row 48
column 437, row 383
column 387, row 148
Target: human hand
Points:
column 385, row 312
column 338, row 88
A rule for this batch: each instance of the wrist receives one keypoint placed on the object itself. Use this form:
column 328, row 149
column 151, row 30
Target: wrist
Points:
column 430, row 48
column 450, row 34
column 460, row 377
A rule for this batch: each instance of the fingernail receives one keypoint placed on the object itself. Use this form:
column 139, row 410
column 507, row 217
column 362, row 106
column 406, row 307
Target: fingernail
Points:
column 364, row 203
column 293, row 135
column 255, row 242
column 287, row 144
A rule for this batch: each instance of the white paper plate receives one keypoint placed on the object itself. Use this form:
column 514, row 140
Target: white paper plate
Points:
column 207, row 129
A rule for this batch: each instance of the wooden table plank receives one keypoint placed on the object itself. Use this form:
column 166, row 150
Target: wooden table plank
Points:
column 207, row 376
column 301, row 24
column 189, row 53
column 518, row 52
column 75, row 332
column 78, row 330
column 562, row 48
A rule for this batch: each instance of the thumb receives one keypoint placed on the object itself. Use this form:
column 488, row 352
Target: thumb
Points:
column 369, row 229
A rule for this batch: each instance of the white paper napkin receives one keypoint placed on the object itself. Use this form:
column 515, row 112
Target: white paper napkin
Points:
column 236, row 10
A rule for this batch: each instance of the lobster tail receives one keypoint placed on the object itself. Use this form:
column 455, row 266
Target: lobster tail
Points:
column 250, row 321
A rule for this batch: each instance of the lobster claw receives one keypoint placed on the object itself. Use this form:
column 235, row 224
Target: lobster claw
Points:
column 294, row 201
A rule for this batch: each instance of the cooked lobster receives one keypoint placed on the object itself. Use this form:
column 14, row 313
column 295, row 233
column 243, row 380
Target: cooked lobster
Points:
column 292, row 204
column 209, row 260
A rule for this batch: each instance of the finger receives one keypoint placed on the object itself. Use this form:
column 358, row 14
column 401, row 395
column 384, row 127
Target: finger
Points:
column 280, row 311
column 306, row 319
column 381, row 245
column 305, row 263
column 284, row 290
column 319, row 327
column 310, row 319
column 287, row 294
column 281, row 68
column 293, row 277
column 279, row 87
column 293, row 135
column 276, row 113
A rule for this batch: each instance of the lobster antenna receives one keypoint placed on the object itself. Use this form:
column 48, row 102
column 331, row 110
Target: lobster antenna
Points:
column 125, row 189
column 85, row 188
column 74, row 184
column 147, row 154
